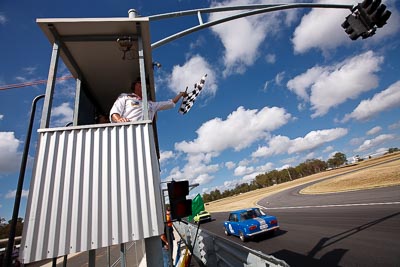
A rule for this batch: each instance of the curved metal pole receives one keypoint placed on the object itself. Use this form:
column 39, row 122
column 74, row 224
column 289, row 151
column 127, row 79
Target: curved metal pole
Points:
column 237, row 16
column 207, row 10
column 13, row 226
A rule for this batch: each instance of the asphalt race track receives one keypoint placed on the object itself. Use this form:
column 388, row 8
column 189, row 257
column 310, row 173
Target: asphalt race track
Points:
column 359, row 228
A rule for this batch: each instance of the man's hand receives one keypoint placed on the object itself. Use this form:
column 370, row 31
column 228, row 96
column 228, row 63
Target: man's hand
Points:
column 123, row 120
column 117, row 118
column 178, row 96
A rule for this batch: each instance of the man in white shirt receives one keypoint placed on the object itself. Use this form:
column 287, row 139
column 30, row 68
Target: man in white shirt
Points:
column 128, row 107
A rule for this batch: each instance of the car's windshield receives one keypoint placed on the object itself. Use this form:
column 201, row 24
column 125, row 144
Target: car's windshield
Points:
column 258, row 212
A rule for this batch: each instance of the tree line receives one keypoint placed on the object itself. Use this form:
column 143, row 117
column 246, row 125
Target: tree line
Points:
column 309, row 167
column 5, row 227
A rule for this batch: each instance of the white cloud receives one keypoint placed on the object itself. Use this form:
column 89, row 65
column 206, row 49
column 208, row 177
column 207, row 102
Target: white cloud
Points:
column 203, row 179
column 245, row 162
column 240, row 129
column 229, row 184
column 243, row 170
column 321, row 28
column 243, row 37
column 1, row 116
column 30, row 70
column 165, row 155
column 10, row 158
column 199, row 42
column 3, row 19
column 195, row 172
column 270, row 58
column 385, row 100
column 300, row 84
column 191, row 73
column 276, row 145
column 314, row 139
column 394, row 126
column 230, row 165
column 328, row 148
column 11, row 194
column 374, row 130
column 368, row 144
column 301, row 106
column 62, row 114
column 265, row 87
column 290, row 160
column 284, row 167
column 21, row 79
column 250, row 177
column 382, row 150
column 310, row 155
column 249, row 173
column 320, row 85
column 266, row 167
column 279, row 78
column 175, row 174
column 356, row 141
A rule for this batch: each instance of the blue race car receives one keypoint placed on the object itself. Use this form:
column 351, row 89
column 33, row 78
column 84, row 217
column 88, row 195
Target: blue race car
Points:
column 247, row 223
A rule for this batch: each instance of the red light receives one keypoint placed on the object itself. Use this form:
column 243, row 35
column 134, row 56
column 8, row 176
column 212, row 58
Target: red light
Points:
column 180, row 209
column 253, row 227
column 274, row 222
column 178, row 189
column 180, row 206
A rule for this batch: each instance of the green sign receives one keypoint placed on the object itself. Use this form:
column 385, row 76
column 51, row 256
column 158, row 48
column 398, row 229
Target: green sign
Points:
column 197, row 206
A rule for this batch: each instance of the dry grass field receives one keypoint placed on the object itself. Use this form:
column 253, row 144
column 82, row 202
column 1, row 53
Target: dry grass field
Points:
column 386, row 174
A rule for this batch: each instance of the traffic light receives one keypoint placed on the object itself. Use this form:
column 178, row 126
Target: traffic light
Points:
column 180, row 206
column 354, row 27
column 365, row 18
column 374, row 13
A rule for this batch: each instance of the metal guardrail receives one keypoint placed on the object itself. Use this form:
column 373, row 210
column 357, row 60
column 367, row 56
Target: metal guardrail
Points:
column 132, row 254
column 212, row 250
column 3, row 242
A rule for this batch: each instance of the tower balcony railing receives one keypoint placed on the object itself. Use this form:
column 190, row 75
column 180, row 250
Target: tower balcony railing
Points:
column 92, row 186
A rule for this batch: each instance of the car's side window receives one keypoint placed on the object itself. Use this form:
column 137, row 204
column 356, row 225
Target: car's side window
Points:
column 246, row 215
column 235, row 219
column 251, row 214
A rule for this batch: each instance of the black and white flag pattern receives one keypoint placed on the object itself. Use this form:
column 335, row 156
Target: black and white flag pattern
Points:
column 188, row 101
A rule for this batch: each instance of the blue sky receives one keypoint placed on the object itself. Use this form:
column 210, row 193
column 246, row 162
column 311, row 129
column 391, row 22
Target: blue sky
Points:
column 282, row 88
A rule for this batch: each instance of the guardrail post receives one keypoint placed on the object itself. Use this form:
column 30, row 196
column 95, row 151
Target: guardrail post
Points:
column 92, row 258
column 123, row 255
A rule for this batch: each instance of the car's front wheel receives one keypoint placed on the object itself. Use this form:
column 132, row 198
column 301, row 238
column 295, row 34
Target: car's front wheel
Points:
column 242, row 237
column 226, row 232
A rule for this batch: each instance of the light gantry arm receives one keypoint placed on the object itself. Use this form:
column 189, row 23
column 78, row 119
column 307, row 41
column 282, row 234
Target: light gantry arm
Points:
column 255, row 9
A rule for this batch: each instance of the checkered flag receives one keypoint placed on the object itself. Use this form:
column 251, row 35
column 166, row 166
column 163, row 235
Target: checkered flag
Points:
column 188, row 101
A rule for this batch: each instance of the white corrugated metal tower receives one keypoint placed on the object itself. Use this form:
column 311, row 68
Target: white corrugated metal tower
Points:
column 95, row 185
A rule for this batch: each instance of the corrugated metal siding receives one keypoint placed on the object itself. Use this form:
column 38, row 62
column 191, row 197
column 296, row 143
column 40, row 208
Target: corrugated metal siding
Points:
column 92, row 187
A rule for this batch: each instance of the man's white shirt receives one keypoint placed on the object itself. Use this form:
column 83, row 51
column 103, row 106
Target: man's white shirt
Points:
column 130, row 106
